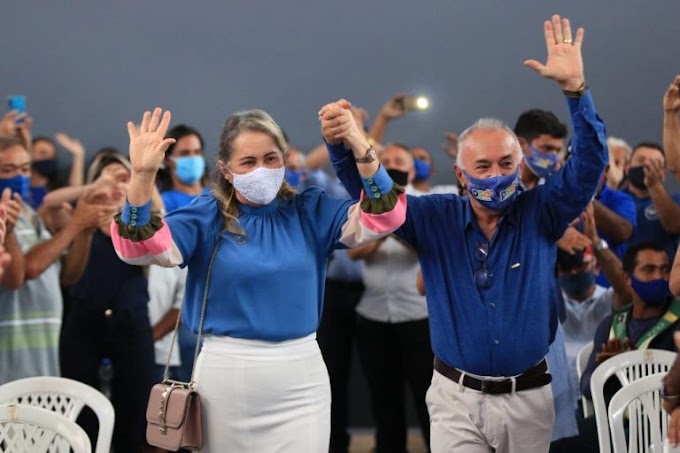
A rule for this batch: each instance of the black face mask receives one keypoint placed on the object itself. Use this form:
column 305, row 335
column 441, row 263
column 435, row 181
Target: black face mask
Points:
column 398, row 176
column 47, row 167
column 636, row 176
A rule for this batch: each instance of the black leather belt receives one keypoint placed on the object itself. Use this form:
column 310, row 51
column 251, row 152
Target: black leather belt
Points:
column 537, row 376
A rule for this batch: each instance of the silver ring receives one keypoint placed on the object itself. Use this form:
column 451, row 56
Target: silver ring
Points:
column 567, row 40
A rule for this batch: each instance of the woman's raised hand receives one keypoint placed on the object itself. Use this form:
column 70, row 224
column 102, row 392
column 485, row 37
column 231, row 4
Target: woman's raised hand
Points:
column 148, row 142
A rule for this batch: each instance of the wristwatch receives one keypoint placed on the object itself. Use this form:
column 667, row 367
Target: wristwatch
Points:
column 369, row 157
column 580, row 91
column 602, row 245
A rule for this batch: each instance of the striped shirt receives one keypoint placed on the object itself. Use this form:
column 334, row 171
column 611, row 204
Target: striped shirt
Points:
column 30, row 317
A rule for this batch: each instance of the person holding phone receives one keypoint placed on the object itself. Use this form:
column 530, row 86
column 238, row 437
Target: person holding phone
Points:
column 16, row 122
column 30, row 293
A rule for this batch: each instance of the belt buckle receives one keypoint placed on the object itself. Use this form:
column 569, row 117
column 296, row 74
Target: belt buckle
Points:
column 490, row 387
column 486, row 386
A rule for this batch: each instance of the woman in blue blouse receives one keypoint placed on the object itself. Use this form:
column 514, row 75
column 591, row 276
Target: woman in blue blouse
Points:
column 261, row 377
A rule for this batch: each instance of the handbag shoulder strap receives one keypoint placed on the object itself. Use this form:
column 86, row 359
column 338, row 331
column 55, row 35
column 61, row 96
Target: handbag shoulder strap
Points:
column 199, row 336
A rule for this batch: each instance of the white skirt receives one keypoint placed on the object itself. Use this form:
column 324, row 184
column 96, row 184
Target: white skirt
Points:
column 263, row 397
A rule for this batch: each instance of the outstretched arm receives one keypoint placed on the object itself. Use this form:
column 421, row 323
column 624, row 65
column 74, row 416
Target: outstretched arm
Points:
column 675, row 275
column 138, row 236
column 567, row 193
column 393, row 109
column 671, row 126
column 608, row 262
column 77, row 150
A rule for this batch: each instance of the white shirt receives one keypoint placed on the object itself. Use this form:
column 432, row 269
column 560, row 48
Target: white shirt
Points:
column 390, row 293
column 166, row 291
column 582, row 320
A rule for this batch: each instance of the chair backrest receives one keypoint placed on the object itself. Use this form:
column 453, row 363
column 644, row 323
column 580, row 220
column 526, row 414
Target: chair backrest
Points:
column 581, row 363
column 641, row 403
column 66, row 397
column 627, row 367
column 28, row 428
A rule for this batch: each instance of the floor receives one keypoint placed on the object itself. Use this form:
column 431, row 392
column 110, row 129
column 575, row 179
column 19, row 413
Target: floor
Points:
column 362, row 441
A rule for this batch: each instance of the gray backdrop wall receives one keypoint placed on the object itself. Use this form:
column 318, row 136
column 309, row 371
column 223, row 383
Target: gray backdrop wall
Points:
column 88, row 67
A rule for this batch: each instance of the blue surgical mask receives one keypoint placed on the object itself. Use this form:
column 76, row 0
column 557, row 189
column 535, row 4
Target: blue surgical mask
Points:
column 18, row 184
column 37, row 194
column 577, row 284
column 189, row 169
column 294, row 178
column 654, row 293
column 423, row 170
column 542, row 164
column 495, row 193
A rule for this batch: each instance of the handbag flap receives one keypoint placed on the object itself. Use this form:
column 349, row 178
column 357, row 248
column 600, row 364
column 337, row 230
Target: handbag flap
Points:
column 176, row 406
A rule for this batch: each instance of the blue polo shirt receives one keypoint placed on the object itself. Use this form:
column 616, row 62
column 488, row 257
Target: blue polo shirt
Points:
column 173, row 199
column 622, row 204
column 649, row 228
column 504, row 329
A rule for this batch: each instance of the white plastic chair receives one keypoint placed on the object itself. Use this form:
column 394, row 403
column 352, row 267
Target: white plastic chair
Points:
column 627, row 367
column 66, row 397
column 34, row 429
column 641, row 403
column 581, row 364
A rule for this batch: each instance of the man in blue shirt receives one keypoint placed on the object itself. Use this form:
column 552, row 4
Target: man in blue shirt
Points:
column 542, row 135
column 488, row 266
column 658, row 212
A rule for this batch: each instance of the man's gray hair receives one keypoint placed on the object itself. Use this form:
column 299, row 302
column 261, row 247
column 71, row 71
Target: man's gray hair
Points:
column 615, row 142
column 490, row 124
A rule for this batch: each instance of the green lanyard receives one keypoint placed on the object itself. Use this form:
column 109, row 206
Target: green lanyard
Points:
column 620, row 322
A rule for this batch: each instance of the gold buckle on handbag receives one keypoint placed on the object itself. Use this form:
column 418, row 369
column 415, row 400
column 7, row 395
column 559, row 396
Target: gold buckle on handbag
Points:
column 165, row 396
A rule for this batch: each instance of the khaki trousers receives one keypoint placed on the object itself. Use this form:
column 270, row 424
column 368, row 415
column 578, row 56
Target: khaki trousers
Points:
column 468, row 421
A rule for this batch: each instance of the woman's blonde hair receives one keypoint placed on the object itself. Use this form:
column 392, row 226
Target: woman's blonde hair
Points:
column 223, row 190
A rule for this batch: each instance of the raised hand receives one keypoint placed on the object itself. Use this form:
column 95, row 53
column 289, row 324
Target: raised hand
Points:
column 8, row 124
column 565, row 63
column 615, row 172
column 572, row 240
column 23, row 132
column 13, row 206
column 5, row 257
column 148, row 142
column 451, row 145
column 94, row 209
column 671, row 99
column 70, row 144
column 337, row 122
column 654, row 173
column 394, row 108
column 3, row 225
column 360, row 116
column 589, row 226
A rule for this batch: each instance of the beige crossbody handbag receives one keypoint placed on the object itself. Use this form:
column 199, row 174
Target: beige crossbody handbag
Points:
column 173, row 414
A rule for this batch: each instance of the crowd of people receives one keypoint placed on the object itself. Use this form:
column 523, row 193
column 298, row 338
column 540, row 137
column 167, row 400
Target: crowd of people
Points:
column 475, row 296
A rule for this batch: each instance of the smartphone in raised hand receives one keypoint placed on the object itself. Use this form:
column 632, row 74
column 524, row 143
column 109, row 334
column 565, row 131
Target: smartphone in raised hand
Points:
column 413, row 103
column 17, row 102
